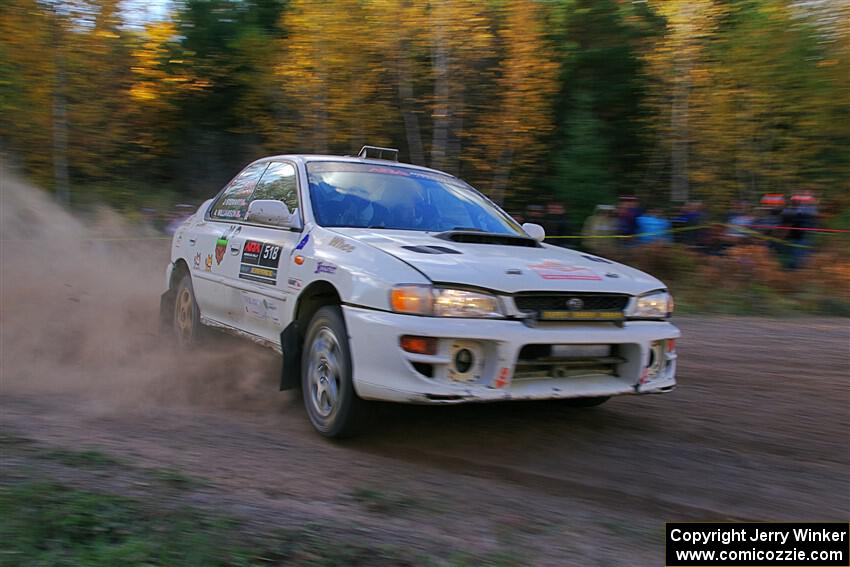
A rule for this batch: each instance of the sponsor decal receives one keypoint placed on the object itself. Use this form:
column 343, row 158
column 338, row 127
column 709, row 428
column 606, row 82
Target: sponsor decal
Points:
column 341, row 244
column 229, row 213
column 552, row 270
column 197, row 261
column 325, row 268
column 582, row 315
column 208, row 263
column 388, row 171
column 221, row 243
column 260, row 308
column 503, row 379
column 303, row 242
column 294, row 284
column 260, row 262
column 234, row 202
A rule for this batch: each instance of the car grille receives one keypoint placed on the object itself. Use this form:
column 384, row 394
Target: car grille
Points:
column 538, row 302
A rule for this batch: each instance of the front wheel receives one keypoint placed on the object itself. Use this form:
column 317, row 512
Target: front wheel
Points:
column 333, row 406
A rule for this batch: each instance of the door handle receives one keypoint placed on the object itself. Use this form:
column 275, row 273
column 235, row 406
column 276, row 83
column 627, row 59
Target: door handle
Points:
column 192, row 241
column 234, row 250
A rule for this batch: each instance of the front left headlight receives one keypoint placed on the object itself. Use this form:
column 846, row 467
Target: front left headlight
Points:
column 444, row 302
column 464, row 303
column 653, row 305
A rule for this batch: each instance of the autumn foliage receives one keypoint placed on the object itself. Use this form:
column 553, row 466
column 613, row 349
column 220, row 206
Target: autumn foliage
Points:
column 579, row 100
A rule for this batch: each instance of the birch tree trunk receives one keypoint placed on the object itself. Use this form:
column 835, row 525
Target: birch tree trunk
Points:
column 60, row 123
column 440, row 56
column 679, row 185
column 405, row 95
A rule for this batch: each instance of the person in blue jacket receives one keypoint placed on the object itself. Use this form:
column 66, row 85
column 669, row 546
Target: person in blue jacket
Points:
column 653, row 227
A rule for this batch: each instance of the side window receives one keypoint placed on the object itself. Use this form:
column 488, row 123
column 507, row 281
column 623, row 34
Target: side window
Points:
column 233, row 203
column 279, row 183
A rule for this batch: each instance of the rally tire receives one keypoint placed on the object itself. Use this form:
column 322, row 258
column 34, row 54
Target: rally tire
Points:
column 327, row 386
column 586, row 402
column 188, row 330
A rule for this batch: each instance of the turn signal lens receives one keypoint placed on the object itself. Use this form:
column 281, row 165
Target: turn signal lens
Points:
column 415, row 299
column 419, row 345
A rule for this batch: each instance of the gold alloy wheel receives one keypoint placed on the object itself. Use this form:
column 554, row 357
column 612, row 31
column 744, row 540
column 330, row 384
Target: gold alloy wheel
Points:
column 184, row 316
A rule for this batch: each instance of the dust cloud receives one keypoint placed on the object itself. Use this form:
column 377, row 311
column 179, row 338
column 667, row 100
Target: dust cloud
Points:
column 79, row 315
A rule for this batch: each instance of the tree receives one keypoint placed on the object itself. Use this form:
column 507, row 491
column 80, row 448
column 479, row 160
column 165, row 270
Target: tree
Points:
column 508, row 143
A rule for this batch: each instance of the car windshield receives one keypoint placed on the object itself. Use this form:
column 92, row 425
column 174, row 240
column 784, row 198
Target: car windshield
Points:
column 362, row 195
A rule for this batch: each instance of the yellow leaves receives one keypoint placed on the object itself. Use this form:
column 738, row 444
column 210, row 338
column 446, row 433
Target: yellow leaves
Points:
column 510, row 135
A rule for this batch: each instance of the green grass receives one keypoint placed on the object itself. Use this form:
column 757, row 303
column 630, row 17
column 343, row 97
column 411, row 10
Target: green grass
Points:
column 384, row 502
column 46, row 523
column 84, row 458
column 50, row 524
column 174, row 478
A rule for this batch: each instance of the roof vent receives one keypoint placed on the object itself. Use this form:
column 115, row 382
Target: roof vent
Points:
column 377, row 152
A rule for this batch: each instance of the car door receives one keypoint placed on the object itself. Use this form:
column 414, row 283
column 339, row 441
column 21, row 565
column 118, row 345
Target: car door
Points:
column 259, row 287
column 213, row 254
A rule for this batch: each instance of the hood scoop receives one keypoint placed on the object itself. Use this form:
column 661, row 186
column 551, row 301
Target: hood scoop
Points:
column 474, row 237
column 432, row 249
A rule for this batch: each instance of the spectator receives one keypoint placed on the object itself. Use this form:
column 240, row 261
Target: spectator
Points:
column 768, row 217
column 628, row 211
column 691, row 215
column 556, row 224
column 653, row 227
column 801, row 215
column 740, row 219
column 601, row 224
column 535, row 214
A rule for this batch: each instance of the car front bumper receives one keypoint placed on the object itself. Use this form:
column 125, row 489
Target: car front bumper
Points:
column 645, row 361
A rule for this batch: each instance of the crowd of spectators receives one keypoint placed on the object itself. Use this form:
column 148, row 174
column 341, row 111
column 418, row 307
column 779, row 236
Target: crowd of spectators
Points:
column 782, row 224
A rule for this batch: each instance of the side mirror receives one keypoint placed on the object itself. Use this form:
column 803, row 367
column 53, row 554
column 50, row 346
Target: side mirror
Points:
column 269, row 211
column 535, row 231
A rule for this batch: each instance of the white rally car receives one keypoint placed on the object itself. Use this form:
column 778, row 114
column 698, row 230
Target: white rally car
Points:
column 378, row 280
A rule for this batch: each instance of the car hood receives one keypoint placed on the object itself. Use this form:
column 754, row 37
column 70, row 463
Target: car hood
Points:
column 505, row 268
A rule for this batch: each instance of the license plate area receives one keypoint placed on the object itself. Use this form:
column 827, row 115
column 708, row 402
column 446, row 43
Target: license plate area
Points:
column 542, row 361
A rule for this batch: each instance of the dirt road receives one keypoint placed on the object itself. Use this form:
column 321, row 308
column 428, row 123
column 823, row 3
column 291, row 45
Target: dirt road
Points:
column 757, row 430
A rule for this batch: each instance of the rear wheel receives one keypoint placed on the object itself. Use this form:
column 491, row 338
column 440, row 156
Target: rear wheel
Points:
column 332, row 405
column 586, row 402
column 187, row 316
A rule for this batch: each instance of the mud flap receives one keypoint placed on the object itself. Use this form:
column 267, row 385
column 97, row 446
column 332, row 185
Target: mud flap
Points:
column 166, row 312
column 291, row 342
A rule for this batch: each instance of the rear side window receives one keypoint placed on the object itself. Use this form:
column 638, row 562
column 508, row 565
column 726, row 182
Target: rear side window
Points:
column 233, row 203
column 278, row 183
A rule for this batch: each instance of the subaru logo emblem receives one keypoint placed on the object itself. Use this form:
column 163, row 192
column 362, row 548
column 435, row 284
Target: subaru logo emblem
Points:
column 574, row 304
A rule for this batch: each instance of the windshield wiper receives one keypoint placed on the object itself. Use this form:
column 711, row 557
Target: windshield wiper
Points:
column 467, row 229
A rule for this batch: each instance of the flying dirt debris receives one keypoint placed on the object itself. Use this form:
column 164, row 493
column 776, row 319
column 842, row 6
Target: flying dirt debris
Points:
column 79, row 313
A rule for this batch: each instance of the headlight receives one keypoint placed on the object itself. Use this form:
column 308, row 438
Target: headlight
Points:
column 441, row 302
column 653, row 305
